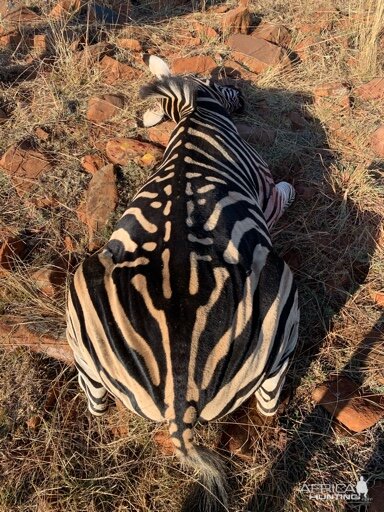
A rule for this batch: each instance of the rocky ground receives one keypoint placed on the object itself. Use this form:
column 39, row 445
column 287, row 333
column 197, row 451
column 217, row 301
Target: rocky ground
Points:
column 73, row 152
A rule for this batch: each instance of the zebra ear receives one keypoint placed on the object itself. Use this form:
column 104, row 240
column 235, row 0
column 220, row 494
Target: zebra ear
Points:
column 152, row 117
column 158, row 67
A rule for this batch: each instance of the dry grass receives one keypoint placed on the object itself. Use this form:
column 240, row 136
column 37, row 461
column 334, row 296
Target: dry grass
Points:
column 53, row 455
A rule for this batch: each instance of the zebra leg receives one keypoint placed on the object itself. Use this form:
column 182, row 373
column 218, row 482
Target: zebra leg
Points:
column 96, row 393
column 282, row 196
column 268, row 394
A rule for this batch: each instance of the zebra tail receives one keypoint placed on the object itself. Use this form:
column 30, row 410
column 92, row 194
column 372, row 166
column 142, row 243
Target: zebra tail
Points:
column 209, row 493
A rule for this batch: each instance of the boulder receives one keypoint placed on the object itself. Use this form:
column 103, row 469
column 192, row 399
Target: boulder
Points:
column 201, row 64
column 25, row 165
column 12, row 249
column 372, row 90
column 92, row 163
column 342, row 398
column 277, row 34
column 102, row 108
column 121, row 151
column 114, row 71
column 335, row 95
column 129, row 44
column 161, row 133
column 205, row 31
column 101, row 201
column 255, row 53
column 237, row 21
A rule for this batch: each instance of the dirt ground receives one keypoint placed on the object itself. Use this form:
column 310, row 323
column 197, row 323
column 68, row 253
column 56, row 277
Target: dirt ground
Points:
column 53, row 455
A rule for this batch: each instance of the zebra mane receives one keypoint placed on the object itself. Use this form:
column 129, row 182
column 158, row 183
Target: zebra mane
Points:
column 177, row 89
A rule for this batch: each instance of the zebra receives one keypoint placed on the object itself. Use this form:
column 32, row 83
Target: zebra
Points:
column 187, row 310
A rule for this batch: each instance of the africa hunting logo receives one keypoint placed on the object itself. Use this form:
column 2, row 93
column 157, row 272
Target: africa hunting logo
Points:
column 357, row 493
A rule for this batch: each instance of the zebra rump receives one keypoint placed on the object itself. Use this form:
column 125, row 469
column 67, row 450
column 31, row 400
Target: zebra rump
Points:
column 187, row 311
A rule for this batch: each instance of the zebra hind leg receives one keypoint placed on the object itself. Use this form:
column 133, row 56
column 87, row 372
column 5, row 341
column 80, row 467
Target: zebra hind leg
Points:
column 96, row 393
column 268, row 394
column 287, row 194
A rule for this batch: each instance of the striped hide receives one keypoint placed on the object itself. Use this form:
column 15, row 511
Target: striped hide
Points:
column 188, row 311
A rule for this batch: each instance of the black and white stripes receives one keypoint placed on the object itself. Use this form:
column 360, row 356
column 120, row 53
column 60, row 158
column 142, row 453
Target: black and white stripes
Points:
column 187, row 311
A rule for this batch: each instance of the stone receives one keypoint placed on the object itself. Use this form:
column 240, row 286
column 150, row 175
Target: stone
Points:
column 95, row 52
column 236, row 20
column 40, row 43
column 377, row 141
column 372, row 90
column 24, row 165
column 103, row 108
column 342, row 398
column 256, row 134
column 200, row 64
column 255, row 53
column 114, row 71
column 187, row 41
column 122, row 151
column 164, row 442
column 51, row 278
column 378, row 297
column 41, row 133
column 12, row 249
column 336, row 95
column 65, row 7
column 305, row 47
column 129, row 44
column 277, row 34
column 233, row 69
column 101, row 201
column 11, row 40
column 204, row 31
column 92, row 163
column 17, row 19
column 161, row 133
column 14, row 333
column 219, row 9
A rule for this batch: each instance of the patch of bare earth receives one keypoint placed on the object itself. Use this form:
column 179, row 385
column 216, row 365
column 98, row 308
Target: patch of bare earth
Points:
column 312, row 75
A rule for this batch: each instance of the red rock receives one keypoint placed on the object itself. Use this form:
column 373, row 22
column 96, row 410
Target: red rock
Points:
column 115, row 71
column 41, row 133
column 14, row 333
column 187, row 42
column 335, row 93
column 51, row 278
column 161, row 133
column 378, row 297
column 122, row 151
column 233, row 69
column 95, row 52
column 237, row 20
column 373, row 90
column 342, row 399
column 101, row 200
column 377, row 141
column 18, row 18
column 24, row 165
column 34, row 421
column 204, row 31
column 200, row 64
column 129, row 44
column 305, row 48
column 256, row 134
column 277, row 34
column 11, row 40
column 40, row 43
column 92, row 163
column 12, row 249
column 164, row 442
column 65, row 7
column 257, row 54
column 102, row 108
